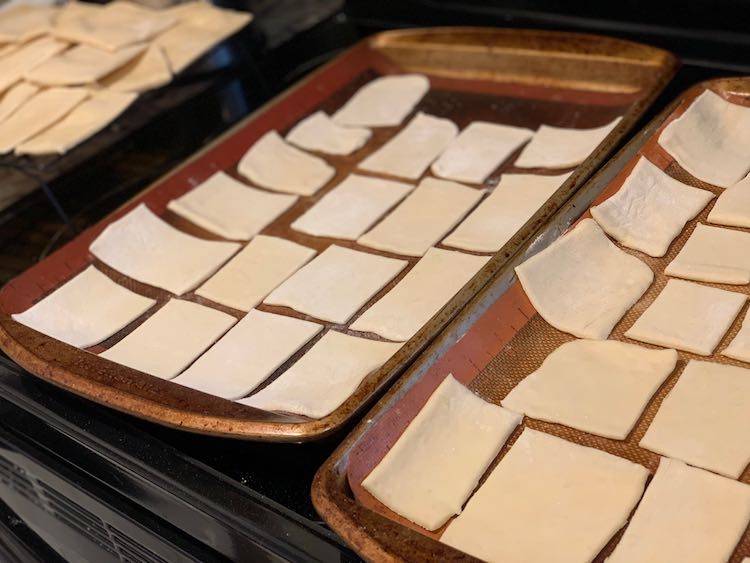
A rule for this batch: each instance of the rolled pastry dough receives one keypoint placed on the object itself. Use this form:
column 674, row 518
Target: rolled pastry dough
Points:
column 318, row 132
column 271, row 163
column 732, row 208
column 582, row 283
column 256, row 270
column 437, row 462
column 548, row 500
column 709, row 140
column 510, row 205
column 423, row 218
column 248, row 354
column 145, row 248
column 411, row 150
column 478, row 150
column 703, row 419
column 558, row 147
column 15, row 97
column 170, row 339
column 712, row 254
column 739, row 347
column 429, row 285
column 37, row 114
column 600, row 387
column 325, row 377
column 352, row 207
column 650, row 209
column 688, row 316
column 336, row 284
column 88, row 118
column 230, row 208
column 148, row 71
column 85, row 310
column 382, row 102
column 23, row 22
column 686, row 516
column 14, row 65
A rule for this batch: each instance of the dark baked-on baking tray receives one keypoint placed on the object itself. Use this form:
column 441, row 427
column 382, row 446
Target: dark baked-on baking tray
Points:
column 496, row 341
column 522, row 78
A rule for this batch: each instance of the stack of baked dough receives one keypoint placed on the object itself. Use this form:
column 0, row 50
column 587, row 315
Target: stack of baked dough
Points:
column 67, row 72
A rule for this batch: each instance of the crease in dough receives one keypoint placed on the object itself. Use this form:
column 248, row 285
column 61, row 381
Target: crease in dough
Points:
column 15, row 97
column 148, row 71
column 383, row 102
column 325, row 377
column 67, row 315
column 709, row 140
column 739, row 347
column 650, row 209
column 273, row 164
column 437, row 462
column 318, row 132
column 583, row 284
column 732, row 208
column 688, row 316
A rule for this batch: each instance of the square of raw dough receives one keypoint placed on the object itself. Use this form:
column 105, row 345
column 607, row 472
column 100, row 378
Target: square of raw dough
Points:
column 437, row 462
column 336, row 284
column 326, row 376
column 145, row 248
column 256, row 271
column 383, row 102
column 712, row 254
column 352, row 207
column 14, row 65
column 650, row 209
column 600, row 387
column 739, row 347
column 703, row 419
column 686, row 516
column 230, row 208
column 582, row 283
column 67, row 313
column 513, row 202
column 732, row 208
column 709, row 140
column 429, row 285
column 548, row 500
column 24, row 21
column 423, row 218
column 273, row 164
column 561, row 147
column 318, row 132
column 412, row 150
column 15, row 97
column 248, row 354
column 688, row 316
column 478, row 150
column 170, row 339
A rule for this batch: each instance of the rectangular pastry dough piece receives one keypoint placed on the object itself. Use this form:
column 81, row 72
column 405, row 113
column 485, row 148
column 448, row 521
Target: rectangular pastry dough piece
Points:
column 739, row 347
column 560, row 147
column 336, row 284
column 37, row 114
column 732, row 208
column 85, row 120
column 15, row 97
column 478, row 150
column 85, row 310
column 423, row 218
column 650, row 209
column 709, row 140
column 702, row 421
column 686, row 516
column 14, row 65
column 510, row 205
column 248, row 354
column 548, row 500
column 688, row 316
column 412, row 150
column 712, row 254
column 230, row 208
column 145, row 248
column 352, row 207
column 437, row 462
column 170, row 339
column 318, row 132
column 383, row 102
column 276, row 165
column 147, row 71
column 24, row 21
column 583, row 284
column 256, row 271
column 325, row 377
column 598, row 386
column 429, row 285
